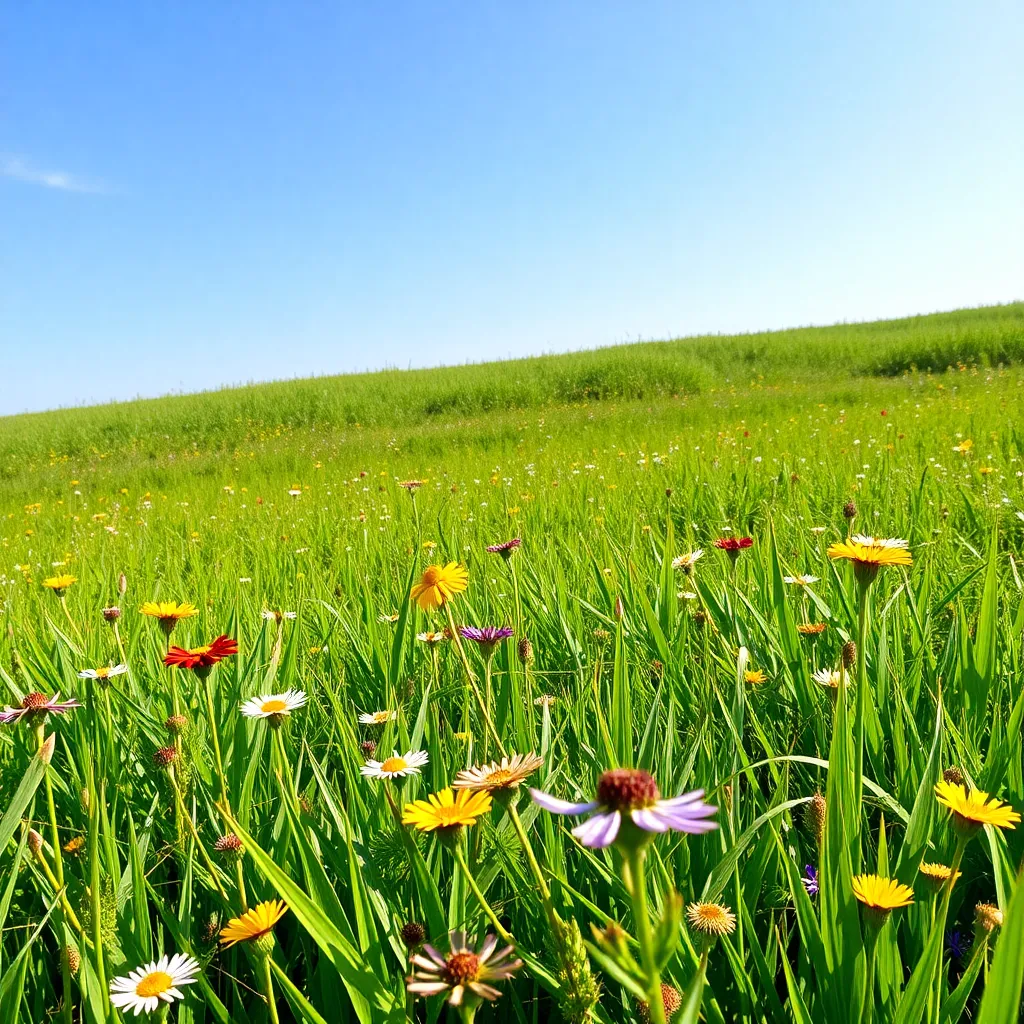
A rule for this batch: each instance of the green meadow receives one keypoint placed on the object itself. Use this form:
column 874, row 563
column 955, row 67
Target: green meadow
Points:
column 816, row 699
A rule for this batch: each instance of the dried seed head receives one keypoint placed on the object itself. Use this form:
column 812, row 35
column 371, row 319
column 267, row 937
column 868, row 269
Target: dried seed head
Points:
column 988, row 917
column 849, row 654
column 413, row 934
column 525, row 650
column 619, row 609
column 112, row 614
column 165, row 757
column 73, row 959
column 954, row 776
column 35, row 840
column 850, row 510
column 671, row 1000
column 814, row 817
column 176, row 724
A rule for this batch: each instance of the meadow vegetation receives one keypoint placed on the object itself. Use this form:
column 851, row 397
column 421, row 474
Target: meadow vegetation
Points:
column 243, row 780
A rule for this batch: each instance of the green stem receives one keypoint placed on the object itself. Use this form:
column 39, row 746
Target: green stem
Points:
column 869, row 979
column 51, row 807
column 471, row 679
column 187, row 818
column 215, row 736
column 460, row 859
column 634, row 877
column 268, row 983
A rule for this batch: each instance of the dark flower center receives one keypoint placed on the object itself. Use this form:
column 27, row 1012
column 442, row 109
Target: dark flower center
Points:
column 34, row 701
column 625, row 788
column 461, row 967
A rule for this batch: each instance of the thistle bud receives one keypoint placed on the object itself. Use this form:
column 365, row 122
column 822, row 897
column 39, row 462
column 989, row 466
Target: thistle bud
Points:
column 111, row 614
column 165, row 757
column 814, row 817
column 35, row 841
column 954, row 776
column 525, row 650
column 849, row 654
column 229, row 845
column 988, row 917
column 122, row 583
column 850, row 510
column 413, row 934
column 368, row 747
column 176, row 724
column 671, row 1000
column 619, row 609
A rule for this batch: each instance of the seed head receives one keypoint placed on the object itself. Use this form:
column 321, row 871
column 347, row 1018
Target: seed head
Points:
column 165, row 757
column 35, row 841
column 368, row 747
column 954, row 776
column 176, row 724
column 73, row 958
column 988, row 917
column 671, row 1000
column 525, row 650
column 849, row 654
column 850, row 510
column 112, row 614
column 229, row 845
column 413, row 934
column 814, row 817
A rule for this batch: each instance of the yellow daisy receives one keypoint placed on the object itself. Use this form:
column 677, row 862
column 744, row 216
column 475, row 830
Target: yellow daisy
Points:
column 869, row 554
column 168, row 613
column 446, row 811
column 710, row 918
column 253, row 924
column 754, row 676
column 937, row 875
column 58, row 584
column 439, row 584
column 881, row 895
column 972, row 811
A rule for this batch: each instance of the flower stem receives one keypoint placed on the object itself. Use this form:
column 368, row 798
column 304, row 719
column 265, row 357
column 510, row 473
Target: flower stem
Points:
column 268, row 983
column 634, row 877
column 460, row 859
column 471, row 679
column 186, row 817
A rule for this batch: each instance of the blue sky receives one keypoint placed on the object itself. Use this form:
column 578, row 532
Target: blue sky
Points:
column 197, row 193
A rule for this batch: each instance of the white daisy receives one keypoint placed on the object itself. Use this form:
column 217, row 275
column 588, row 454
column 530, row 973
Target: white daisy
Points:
column 274, row 704
column 396, row 766
column 273, row 616
column 685, row 562
column 104, row 672
column 817, row 529
column 147, row 986
column 800, row 581
column 377, row 717
column 879, row 542
column 827, row 677
column 295, row 492
column 686, row 595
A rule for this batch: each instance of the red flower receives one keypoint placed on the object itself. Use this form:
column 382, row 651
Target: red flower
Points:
column 202, row 657
column 733, row 543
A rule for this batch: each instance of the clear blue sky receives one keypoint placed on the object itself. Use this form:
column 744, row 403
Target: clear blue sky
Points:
column 199, row 193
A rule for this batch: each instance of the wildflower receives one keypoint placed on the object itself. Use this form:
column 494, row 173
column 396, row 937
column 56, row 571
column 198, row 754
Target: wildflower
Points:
column 830, row 678
column 988, row 917
column 881, row 895
column 964, row 446
column 800, row 581
column 274, row 706
column 972, row 811
column 430, row 637
column 810, row 879
column 671, row 1000
column 754, row 676
column 545, row 700
column 504, row 774
column 36, row 706
column 811, row 628
column 956, row 946
column 850, row 510
column 439, row 584
column 412, row 486
column 487, row 637
column 368, row 747
column 506, row 548
column 159, row 981
column 377, row 717
column 463, row 973
column 168, row 613
column 254, row 924
column 58, row 584
column 711, row 919
column 75, row 846
column 176, row 724
column 396, row 767
column 388, row 617
column 230, row 845
column 413, row 934
column 203, row 658
column 936, row 875
column 276, row 616
column 634, row 793
column 732, row 546
column 165, row 757
column 111, row 614
column 104, row 672
column 445, row 811
column 869, row 554
column 686, row 562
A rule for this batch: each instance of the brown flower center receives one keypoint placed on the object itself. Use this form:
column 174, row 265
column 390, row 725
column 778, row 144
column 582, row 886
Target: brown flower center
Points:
column 625, row 788
column 461, row 967
column 34, row 701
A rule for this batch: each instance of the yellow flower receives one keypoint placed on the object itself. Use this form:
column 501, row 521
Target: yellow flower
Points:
column 754, row 676
column 937, row 875
column 445, row 811
column 168, row 613
column 711, row 918
column 973, row 810
column 253, row 924
column 439, row 584
column 881, row 895
column 58, row 584
column 869, row 554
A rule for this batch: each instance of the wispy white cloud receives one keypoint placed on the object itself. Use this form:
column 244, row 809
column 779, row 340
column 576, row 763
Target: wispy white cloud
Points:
column 21, row 170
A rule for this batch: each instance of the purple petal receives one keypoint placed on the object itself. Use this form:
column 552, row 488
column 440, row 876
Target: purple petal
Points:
column 556, row 806
column 599, row 830
column 650, row 819
column 693, row 797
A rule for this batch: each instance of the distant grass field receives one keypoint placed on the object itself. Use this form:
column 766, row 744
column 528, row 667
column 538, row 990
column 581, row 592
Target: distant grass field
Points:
column 285, row 514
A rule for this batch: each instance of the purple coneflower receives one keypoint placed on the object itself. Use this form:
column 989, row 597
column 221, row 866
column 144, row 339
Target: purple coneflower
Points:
column 488, row 637
column 506, row 548
column 810, row 879
column 38, row 705
column 634, row 792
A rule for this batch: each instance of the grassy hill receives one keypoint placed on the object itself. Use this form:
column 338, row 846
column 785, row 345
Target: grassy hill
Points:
column 827, row 359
